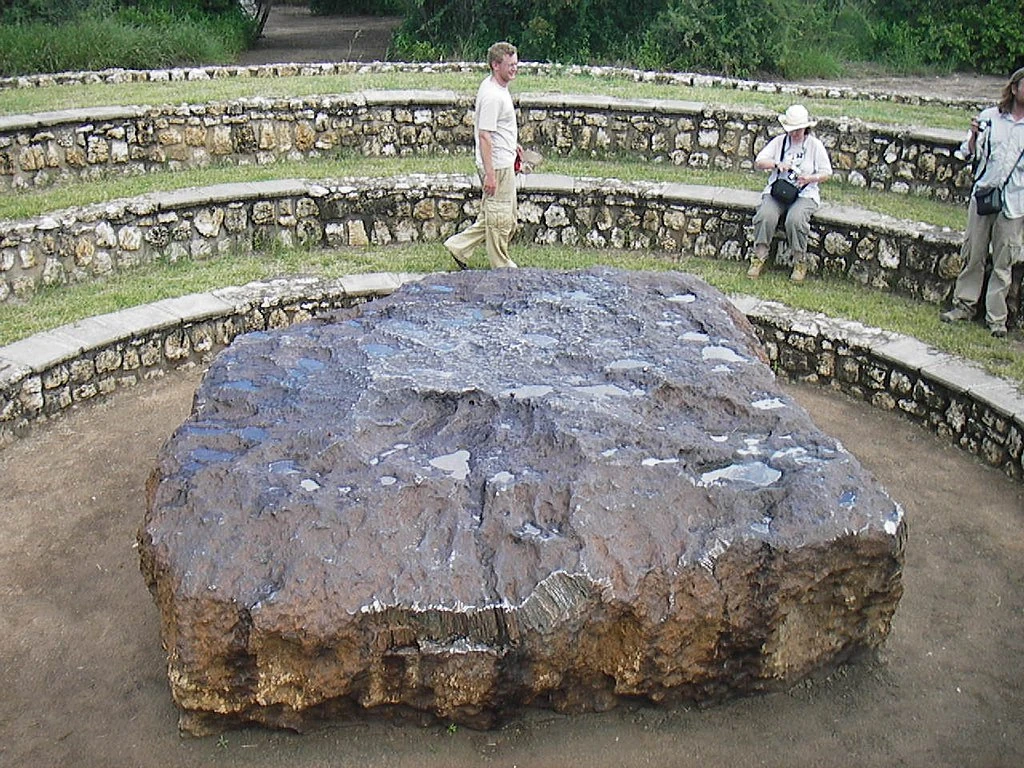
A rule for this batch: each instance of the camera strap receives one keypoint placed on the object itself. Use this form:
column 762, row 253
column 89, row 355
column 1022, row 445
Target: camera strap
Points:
column 979, row 169
column 782, row 156
column 1009, row 173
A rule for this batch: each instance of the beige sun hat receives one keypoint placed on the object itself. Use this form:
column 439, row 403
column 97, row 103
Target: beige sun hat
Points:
column 795, row 118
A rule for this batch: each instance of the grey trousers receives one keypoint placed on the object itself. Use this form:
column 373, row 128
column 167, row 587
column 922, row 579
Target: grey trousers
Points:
column 797, row 226
column 993, row 236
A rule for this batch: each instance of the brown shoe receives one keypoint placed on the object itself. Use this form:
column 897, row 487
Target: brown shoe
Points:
column 799, row 273
column 756, row 265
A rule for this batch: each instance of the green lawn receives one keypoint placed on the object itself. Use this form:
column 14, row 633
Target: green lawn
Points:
column 57, row 306
column 56, row 97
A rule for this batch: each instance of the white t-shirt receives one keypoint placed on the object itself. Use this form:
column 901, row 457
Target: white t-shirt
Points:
column 496, row 113
column 810, row 158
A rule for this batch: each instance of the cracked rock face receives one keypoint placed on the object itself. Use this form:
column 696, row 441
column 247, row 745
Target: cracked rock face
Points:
column 505, row 488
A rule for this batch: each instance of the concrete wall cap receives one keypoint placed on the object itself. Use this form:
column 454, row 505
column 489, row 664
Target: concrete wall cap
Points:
column 1003, row 397
column 373, row 284
column 409, row 97
column 194, row 307
column 42, row 350
column 910, row 353
column 957, row 374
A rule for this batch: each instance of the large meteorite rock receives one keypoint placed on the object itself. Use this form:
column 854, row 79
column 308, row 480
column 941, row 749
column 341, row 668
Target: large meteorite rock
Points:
column 504, row 488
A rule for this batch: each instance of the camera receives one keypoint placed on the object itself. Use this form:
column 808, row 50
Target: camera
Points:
column 983, row 125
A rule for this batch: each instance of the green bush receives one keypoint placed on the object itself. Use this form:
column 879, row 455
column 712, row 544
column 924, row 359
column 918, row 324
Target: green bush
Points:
column 567, row 31
column 731, row 37
column 796, row 39
column 106, row 34
column 955, row 35
column 52, row 11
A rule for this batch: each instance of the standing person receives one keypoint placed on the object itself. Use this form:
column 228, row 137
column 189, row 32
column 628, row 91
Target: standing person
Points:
column 996, row 143
column 497, row 144
column 799, row 157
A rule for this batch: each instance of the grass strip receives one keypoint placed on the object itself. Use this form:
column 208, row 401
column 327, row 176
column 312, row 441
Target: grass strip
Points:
column 28, row 204
column 57, row 306
column 15, row 101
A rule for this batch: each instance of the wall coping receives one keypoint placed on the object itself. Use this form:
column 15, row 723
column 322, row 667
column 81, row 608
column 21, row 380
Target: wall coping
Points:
column 370, row 98
column 45, row 349
column 726, row 200
column 328, row 69
column 723, row 197
column 951, row 371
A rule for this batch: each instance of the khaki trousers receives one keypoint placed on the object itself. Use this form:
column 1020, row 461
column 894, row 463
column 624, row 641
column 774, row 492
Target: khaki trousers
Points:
column 1003, row 240
column 494, row 226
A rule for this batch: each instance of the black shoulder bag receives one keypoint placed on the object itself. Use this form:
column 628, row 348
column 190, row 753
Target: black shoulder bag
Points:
column 990, row 200
column 782, row 189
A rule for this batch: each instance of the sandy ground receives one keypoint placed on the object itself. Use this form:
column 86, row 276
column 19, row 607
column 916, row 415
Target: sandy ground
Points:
column 82, row 673
column 292, row 35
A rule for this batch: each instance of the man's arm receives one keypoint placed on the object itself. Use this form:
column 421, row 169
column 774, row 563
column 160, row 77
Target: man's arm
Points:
column 487, row 157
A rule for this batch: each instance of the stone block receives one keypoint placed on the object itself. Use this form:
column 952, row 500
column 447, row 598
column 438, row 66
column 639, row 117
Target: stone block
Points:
column 500, row 489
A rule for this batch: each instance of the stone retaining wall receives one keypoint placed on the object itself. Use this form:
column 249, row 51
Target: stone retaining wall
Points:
column 45, row 149
column 979, row 413
column 674, row 220
column 44, row 375
column 117, row 75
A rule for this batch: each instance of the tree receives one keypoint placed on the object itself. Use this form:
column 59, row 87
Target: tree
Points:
column 259, row 11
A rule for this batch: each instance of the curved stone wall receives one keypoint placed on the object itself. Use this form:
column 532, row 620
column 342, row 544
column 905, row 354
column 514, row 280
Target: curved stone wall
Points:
column 45, row 149
column 673, row 220
column 42, row 376
column 340, row 68
column 45, row 374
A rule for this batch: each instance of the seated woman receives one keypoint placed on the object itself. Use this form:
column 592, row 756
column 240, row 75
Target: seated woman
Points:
column 799, row 157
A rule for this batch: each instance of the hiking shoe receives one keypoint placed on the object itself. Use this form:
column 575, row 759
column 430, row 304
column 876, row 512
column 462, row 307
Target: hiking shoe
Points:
column 799, row 273
column 955, row 315
column 998, row 331
column 756, row 265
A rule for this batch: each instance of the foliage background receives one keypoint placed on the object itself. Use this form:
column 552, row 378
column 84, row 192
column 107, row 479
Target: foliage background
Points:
column 744, row 38
column 793, row 38
column 68, row 35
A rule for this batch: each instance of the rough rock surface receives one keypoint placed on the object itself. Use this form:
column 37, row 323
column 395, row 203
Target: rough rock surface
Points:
column 497, row 489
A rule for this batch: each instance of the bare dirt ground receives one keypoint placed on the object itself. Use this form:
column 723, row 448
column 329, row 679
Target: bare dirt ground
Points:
column 82, row 673
column 292, row 35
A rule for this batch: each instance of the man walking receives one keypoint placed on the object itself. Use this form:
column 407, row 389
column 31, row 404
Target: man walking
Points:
column 996, row 142
column 496, row 134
